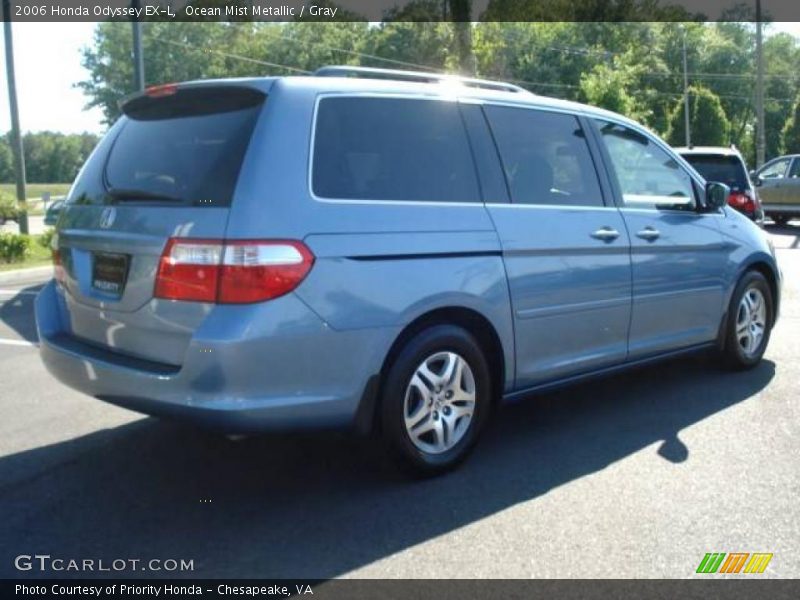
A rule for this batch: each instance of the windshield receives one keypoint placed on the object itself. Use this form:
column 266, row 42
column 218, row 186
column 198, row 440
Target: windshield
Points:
column 722, row 169
column 186, row 148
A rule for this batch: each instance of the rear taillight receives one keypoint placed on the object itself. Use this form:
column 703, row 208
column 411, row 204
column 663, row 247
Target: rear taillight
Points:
column 231, row 271
column 254, row 271
column 58, row 265
column 742, row 201
column 189, row 270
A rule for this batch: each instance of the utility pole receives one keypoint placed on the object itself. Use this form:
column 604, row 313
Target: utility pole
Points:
column 686, row 93
column 761, row 139
column 461, row 13
column 138, row 57
column 16, row 135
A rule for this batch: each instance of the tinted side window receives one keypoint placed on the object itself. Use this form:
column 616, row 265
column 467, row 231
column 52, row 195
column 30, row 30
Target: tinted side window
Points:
column 775, row 170
column 648, row 177
column 794, row 172
column 545, row 157
column 392, row 149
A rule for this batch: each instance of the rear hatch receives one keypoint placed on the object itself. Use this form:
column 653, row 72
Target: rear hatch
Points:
column 730, row 170
column 167, row 168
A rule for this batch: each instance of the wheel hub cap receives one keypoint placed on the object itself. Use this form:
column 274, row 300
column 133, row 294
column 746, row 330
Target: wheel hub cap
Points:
column 751, row 321
column 439, row 402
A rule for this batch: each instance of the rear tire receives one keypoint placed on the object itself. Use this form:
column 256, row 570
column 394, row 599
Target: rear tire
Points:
column 780, row 220
column 435, row 400
column 749, row 322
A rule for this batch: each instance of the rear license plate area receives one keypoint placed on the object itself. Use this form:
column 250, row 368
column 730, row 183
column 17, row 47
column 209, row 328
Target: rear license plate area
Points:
column 109, row 273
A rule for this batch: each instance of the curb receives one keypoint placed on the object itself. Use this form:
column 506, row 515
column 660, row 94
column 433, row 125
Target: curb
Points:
column 34, row 275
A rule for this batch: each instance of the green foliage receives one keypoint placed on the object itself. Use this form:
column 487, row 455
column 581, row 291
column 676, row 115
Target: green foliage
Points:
column 45, row 239
column 6, row 160
column 791, row 131
column 610, row 87
column 569, row 10
column 8, row 207
column 49, row 156
column 14, row 247
column 709, row 124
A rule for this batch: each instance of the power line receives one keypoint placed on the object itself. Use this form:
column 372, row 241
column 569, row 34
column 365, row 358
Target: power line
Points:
column 719, row 75
column 362, row 54
column 234, row 56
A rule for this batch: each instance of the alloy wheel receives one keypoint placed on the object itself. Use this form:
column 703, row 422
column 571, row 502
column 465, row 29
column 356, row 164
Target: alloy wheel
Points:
column 751, row 321
column 439, row 402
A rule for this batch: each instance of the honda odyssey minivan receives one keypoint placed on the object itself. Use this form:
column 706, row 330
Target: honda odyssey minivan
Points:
column 386, row 251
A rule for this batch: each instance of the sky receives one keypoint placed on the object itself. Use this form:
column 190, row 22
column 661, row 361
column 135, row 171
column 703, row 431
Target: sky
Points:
column 47, row 59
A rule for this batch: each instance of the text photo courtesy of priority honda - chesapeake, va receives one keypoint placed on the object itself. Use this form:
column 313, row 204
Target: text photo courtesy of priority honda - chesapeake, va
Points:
column 427, row 298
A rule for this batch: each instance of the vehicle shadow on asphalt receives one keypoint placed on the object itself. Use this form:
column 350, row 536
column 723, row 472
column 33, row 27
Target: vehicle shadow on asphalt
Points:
column 788, row 230
column 16, row 311
column 320, row 506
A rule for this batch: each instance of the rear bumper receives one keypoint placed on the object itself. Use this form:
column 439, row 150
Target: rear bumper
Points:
column 249, row 368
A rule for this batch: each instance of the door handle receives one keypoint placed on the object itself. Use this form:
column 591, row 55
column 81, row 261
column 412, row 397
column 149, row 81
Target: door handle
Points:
column 607, row 234
column 648, row 233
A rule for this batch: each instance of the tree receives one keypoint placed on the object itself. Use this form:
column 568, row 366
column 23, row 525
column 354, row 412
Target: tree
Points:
column 409, row 45
column 791, row 131
column 610, row 87
column 6, row 160
column 708, row 122
column 782, row 55
column 49, row 157
column 461, row 13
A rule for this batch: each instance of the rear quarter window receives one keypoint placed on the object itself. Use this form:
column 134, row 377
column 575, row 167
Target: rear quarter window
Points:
column 388, row 149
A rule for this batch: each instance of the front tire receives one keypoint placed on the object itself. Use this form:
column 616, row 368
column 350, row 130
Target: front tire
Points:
column 749, row 323
column 435, row 400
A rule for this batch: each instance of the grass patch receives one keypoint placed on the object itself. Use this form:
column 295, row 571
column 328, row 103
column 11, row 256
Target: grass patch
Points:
column 34, row 190
column 37, row 256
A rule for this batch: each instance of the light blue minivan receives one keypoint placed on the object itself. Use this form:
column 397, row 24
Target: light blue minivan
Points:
column 388, row 251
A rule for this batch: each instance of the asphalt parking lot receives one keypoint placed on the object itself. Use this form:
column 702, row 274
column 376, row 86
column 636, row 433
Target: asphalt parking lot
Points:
column 637, row 475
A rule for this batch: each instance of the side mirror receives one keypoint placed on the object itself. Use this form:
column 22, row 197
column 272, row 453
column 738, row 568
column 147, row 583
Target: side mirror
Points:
column 757, row 181
column 716, row 195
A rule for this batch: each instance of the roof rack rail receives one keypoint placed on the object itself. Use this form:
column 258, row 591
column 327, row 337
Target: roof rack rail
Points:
column 416, row 76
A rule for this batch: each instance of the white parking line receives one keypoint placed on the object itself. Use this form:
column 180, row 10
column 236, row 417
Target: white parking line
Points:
column 16, row 292
column 17, row 343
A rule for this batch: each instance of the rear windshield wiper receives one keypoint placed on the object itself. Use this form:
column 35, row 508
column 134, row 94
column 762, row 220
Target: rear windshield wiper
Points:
column 134, row 194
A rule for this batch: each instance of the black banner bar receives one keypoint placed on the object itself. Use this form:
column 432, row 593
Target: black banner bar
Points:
column 401, row 10
column 370, row 589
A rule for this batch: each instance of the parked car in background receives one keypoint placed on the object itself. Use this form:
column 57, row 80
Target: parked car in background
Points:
column 778, row 183
column 52, row 213
column 395, row 255
column 726, row 165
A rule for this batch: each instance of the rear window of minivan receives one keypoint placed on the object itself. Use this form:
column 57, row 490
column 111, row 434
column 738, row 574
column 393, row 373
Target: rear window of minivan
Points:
column 724, row 169
column 184, row 148
column 402, row 149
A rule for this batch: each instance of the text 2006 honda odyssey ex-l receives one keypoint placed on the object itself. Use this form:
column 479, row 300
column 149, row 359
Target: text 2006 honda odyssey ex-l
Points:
column 389, row 251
